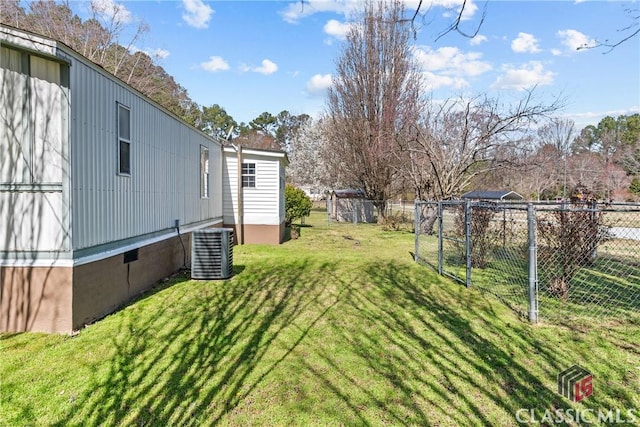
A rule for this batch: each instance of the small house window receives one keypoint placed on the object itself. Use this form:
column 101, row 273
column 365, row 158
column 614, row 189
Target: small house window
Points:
column 204, row 172
column 124, row 139
column 249, row 175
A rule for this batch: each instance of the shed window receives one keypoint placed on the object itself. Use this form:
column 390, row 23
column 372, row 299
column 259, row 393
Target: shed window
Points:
column 204, row 172
column 249, row 175
column 124, row 139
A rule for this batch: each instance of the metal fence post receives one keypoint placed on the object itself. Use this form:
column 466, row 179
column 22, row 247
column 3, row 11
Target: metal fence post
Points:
column 416, row 226
column 440, row 244
column 467, row 241
column 533, row 264
column 355, row 211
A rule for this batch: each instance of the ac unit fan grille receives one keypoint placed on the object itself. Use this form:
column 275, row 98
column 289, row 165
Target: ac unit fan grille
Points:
column 212, row 254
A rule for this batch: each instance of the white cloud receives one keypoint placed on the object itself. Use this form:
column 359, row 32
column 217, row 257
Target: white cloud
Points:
column 453, row 6
column 573, row 39
column 525, row 43
column 267, row 67
column 153, row 53
column 160, row 53
column 197, row 13
column 448, row 66
column 451, row 61
column 215, row 63
column 435, row 81
column 337, row 29
column 295, row 11
column 477, row 40
column 524, row 77
column 592, row 117
column 110, row 10
column 556, row 52
column 319, row 83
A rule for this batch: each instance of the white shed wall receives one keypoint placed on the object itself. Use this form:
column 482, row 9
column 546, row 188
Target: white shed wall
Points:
column 164, row 184
column 264, row 204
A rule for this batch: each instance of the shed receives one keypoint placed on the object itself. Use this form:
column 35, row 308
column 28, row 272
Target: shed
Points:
column 500, row 195
column 350, row 205
column 260, row 215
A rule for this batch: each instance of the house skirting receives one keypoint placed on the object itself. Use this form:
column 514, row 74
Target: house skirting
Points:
column 36, row 299
column 66, row 298
column 260, row 234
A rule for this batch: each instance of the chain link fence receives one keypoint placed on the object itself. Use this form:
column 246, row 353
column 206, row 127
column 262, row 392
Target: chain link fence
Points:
column 560, row 263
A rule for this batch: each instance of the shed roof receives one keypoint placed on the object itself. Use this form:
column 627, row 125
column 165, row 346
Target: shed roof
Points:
column 492, row 195
column 349, row 194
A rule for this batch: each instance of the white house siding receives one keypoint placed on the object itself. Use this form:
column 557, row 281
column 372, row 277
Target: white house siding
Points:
column 263, row 205
column 34, row 147
column 164, row 184
column 31, row 222
column 67, row 215
column 230, row 187
column 282, row 185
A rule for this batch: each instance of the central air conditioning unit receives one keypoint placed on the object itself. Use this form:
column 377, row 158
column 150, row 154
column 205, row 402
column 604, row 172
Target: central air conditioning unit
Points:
column 212, row 254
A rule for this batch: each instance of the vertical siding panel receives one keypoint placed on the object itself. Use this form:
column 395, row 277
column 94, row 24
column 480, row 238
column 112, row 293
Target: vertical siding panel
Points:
column 165, row 174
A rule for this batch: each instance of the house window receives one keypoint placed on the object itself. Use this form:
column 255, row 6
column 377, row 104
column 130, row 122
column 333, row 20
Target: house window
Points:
column 248, row 175
column 124, row 139
column 204, row 172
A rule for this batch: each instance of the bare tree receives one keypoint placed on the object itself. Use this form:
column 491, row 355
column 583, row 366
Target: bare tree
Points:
column 374, row 101
column 100, row 39
column 11, row 13
column 558, row 134
column 460, row 9
column 625, row 33
column 464, row 139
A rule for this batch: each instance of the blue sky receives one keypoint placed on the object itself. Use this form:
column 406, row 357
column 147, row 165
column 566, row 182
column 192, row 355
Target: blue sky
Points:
column 256, row 56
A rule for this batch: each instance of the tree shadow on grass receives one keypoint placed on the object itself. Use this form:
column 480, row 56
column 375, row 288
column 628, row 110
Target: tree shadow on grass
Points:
column 607, row 289
column 452, row 364
column 194, row 358
column 384, row 343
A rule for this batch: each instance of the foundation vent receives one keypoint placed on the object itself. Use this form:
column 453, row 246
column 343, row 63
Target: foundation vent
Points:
column 212, row 254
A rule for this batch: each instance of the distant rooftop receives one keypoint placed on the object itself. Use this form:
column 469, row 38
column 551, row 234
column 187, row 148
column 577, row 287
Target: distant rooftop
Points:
column 492, row 195
column 349, row 194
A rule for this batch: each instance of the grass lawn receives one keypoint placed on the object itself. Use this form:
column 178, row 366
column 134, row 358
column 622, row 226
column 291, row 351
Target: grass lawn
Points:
column 339, row 327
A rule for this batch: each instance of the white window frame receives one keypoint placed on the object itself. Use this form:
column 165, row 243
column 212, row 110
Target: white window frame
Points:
column 123, row 140
column 204, row 172
column 248, row 175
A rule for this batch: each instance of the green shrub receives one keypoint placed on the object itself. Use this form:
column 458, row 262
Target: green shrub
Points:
column 297, row 204
column 635, row 185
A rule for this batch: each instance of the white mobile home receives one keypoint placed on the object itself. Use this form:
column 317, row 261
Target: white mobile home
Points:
column 260, row 215
column 99, row 187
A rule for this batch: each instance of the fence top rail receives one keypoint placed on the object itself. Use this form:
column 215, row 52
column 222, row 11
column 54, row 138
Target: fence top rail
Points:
column 542, row 205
